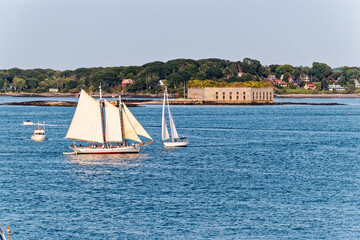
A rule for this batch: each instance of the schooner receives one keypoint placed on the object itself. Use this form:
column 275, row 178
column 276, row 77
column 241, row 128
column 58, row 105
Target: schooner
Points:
column 110, row 127
column 175, row 140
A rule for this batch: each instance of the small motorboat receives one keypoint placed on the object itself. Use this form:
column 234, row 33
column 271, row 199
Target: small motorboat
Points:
column 39, row 133
column 28, row 122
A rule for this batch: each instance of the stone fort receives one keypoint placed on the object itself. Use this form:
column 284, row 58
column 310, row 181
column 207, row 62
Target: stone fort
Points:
column 232, row 94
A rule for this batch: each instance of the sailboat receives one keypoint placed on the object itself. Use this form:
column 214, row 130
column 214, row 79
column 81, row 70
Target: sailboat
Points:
column 176, row 141
column 111, row 128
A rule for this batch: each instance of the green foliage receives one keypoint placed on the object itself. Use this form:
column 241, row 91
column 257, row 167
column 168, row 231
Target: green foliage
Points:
column 211, row 83
column 320, row 71
column 351, row 88
column 18, row 83
column 174, row 74
column 286, row 68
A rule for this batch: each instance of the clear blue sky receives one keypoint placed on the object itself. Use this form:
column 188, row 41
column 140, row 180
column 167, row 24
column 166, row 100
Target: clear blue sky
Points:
column 69, row 34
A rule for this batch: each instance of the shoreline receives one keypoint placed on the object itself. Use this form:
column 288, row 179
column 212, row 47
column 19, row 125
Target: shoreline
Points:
column 340, row 95
column 107, row 95
column 160, row 95
column 138, row 103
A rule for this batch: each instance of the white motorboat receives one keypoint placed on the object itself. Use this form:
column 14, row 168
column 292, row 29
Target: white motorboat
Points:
column 28, row 122
column 39, row 133
column 111, row 128
column 176, row 141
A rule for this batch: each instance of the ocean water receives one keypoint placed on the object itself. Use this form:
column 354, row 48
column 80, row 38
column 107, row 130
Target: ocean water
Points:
column 250, row 172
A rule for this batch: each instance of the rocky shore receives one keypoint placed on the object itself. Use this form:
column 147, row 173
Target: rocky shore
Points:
column 136, row 103
column 337, row 95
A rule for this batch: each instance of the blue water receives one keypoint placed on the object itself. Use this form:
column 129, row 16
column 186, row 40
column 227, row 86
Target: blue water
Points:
column 250, row 172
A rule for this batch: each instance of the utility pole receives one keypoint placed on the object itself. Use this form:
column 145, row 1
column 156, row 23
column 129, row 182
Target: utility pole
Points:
column 184, row 90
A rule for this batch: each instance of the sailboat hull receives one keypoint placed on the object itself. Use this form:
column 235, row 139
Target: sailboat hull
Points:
column 175, row 144
column 99, row 150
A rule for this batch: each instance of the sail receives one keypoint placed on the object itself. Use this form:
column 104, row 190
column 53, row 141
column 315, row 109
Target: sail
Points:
column 135, row 124
column 164, row 130
column 112, row 123
column 129, row 131
column 86, row 123
column 174, row 133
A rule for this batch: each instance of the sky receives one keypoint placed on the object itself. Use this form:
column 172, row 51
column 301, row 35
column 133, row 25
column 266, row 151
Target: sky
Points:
column 69, row 34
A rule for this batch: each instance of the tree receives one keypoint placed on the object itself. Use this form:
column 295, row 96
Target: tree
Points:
column 18, row 83
column 286, row 68
column 351, row 88
column 286, row 76
column 213, row 73
column 252, row 67
column 324, row 84
column 321, row 70
column 174, row 80
column 273, row 67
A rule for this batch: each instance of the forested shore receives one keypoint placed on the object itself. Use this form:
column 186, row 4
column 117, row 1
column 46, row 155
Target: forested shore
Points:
column 176, row 74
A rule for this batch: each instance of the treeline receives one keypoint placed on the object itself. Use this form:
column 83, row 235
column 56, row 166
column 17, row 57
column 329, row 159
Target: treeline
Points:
column 174, row 73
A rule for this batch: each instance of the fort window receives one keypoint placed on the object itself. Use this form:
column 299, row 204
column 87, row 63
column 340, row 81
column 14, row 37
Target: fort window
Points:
column 237, row 96
column 223, row 95
column 217, row 95
column 230, row 96
column 253, row 95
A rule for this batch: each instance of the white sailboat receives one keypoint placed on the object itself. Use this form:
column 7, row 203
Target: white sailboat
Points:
column 175, row 140
column 39, row 133
column 110, row 127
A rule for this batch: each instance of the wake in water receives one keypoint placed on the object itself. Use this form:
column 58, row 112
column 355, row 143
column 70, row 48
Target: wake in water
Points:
column 46, row 125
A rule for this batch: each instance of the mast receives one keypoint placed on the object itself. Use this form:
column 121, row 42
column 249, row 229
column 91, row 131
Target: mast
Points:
column 102, row 116
column 121, row 121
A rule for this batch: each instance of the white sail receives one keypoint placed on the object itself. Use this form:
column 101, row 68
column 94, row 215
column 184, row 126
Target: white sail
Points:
column 174, row 133
column 135, row 124
column 164, row 130
column 129, row 131
column 112, row 123
column 86, row 123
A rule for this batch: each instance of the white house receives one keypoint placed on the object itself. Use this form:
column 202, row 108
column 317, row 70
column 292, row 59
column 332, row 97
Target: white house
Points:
column 53, row 90
column 336, row 87
column 357, row 84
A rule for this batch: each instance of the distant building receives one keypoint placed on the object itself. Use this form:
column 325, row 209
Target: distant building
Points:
column 357, row 84
column 310, row 86
column 280, row 83
column 126, row 82
column 304, row 78
column 53, row 90
column 336, row 87
column 232, row 94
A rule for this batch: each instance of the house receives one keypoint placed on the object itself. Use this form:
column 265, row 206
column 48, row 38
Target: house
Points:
column 304, row 78
column 336, row 87
column 53, row 90
column 357, row 84
column 280, row 83
column 271, row 77
column 309, row 86
column 126, row 82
